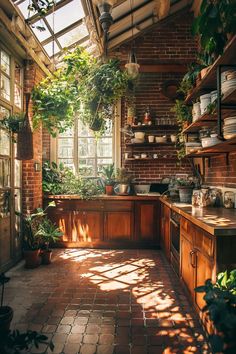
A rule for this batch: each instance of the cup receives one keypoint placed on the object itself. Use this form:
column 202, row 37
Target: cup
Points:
column 155, row 156
column 173, row 138
column 151, row 138
column 143, row 155
column 126, row 155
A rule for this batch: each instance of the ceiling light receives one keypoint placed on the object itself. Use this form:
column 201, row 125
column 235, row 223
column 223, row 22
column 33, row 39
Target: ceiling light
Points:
column 105, row 18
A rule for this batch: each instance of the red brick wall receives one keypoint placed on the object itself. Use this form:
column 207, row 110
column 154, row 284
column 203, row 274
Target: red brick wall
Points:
column 46, row 145
column 220, row 173
column 167, row 43
column 32, row 180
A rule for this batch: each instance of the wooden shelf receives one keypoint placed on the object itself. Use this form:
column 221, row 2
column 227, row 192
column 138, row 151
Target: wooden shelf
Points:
column 206, row 120
column 149, row 144
column 209, row 80
column 154, row 127
column 131, row 159
column 224, row 147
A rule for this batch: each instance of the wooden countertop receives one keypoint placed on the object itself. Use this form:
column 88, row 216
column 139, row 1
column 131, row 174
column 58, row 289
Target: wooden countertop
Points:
column 216, row 221
column 106, row 197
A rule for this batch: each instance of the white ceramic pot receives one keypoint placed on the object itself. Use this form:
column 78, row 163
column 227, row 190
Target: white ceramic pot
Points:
column 173, row 138
column 205, row 100
column 160, row 139
column 196, row 112
column 143, row 156
column 151, row 138
column 139, row 135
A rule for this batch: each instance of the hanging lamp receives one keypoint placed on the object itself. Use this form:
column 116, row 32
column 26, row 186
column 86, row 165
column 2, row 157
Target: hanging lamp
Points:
column 132, row 67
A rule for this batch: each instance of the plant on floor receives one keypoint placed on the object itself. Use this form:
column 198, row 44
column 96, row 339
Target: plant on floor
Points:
column 6, row 312
column 48, row 233
column 15, row 342
column 215, row 21
column 220, row 306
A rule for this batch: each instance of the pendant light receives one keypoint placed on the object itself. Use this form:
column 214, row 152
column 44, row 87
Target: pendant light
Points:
column 132, row 66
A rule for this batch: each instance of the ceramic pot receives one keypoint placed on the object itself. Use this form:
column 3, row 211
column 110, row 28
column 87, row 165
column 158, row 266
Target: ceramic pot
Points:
column 6, row 315
column 46, row 256
column 109, row 190
column 32, row 259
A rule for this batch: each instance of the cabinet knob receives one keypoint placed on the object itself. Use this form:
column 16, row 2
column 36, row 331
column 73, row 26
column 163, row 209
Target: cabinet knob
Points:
column 193, row 258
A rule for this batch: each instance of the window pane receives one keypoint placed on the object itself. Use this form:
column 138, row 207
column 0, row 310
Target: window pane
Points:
column 4, row 143
column 5, row 62
column 104, row 147
column 68, row 133
column 17, row 96
column 65, row 148
column 4, row 173
column 83, row 130
column 67, row 163
column 87, row 167
column 73, row 36
column 17, row 176
column 4, row 112
column 103, row 162
column 5, row 87
column 86, row 147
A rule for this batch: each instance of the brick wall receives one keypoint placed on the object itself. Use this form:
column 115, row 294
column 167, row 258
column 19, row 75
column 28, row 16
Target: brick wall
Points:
column 32, row 180
column 167, row 43
column 219, row 173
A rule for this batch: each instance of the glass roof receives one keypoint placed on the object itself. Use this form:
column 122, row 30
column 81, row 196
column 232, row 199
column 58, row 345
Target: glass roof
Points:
column 62, row 27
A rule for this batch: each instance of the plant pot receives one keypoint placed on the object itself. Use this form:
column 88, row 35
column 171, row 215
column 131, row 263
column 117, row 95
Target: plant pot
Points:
column 109, row 190
column 46, row 256
column 6, row 315
column 32, row 259
column 185, row 194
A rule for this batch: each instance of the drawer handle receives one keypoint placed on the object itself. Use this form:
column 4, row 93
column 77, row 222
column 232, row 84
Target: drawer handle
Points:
column 193, row 258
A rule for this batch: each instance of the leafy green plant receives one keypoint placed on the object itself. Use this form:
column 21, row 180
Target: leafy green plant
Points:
column 13, row 122
column 52, row 177
column 123, row 176
column 15, row 342
column 30, row 223
column 215, row 20
column 48, row 233
column 182, row 112
column 220, row 306
column 108, row 174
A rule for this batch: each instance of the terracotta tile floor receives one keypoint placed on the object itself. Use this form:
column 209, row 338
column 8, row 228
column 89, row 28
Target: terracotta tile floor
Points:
column 106, row 301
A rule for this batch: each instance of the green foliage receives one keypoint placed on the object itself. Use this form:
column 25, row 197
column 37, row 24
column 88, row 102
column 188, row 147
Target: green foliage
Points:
column 13, row 122
column 48, row 232
column 220, row 305
column 108, row 174
column 216, row 19
column 189, row 78
column 61, row 180
column 41, row 6
column 15, row 342
column 182, row 112
column 83, row 86
column 30, row 223
column 123, row 176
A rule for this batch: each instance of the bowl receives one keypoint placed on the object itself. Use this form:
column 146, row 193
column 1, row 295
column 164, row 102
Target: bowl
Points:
column 207, row 142
column 142, row 188
column 161, row 139
column 139, row 135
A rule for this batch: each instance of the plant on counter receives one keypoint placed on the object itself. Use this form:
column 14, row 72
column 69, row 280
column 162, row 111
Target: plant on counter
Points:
column 108, row 176
column 220, row 306
column 123, row 181
column 213, row 24
column 48, row 233
column 15, row 342
column 6, row 312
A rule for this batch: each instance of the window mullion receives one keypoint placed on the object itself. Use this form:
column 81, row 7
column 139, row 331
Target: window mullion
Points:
column 76, row 146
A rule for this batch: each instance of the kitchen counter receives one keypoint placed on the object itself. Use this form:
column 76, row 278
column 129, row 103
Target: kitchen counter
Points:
column 216, row 221
column 149, row 196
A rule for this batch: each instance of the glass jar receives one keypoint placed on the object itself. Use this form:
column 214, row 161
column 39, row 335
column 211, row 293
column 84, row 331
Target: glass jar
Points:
column 229, row 200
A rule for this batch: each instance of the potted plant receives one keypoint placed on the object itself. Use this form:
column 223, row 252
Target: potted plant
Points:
column 185, row 187
column 13, row 122
column 220, row 299
column 183, row 113
column 48, row 233
column 123, row 179
column 6, row 312
column 108, row 174
column 31, row 240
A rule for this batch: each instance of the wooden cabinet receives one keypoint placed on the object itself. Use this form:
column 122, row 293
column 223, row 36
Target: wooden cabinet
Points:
column 187, row 265
column 118, row 225
column 146, row 221
column 165, row 229
column 87, row 226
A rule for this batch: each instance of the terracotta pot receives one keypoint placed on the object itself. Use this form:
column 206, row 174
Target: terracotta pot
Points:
column 109, row 190
column 204, row 71
column 46, row 256
column 32, row 259
column 6, row 315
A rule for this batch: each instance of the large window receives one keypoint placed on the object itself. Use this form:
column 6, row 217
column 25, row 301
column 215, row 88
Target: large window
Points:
column 80, row 150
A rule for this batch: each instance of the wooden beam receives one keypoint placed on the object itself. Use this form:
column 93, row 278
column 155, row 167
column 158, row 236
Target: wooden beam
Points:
column 13, row 30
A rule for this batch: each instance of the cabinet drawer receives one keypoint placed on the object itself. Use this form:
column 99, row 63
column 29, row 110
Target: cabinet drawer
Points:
column 118, row 205
column 187, row 229
column 204, row 242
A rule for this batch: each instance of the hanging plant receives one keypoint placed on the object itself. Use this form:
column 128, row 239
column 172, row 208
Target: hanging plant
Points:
column 13, row 122
column 84, row 85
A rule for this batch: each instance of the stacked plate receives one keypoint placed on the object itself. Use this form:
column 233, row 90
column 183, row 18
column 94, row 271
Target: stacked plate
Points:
column 229, row 129
column 228, row 80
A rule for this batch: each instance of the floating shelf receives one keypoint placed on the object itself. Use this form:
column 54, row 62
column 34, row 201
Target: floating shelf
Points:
column 209, row 80
column 149, row 144
column 131, row 159
column 154, row 126
column 224, row 147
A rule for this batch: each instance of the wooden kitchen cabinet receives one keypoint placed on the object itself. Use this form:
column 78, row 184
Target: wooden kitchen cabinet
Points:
column 87, row 226
column 118, row 226
column 146, row 225
column 187, row 265
column 165, row 229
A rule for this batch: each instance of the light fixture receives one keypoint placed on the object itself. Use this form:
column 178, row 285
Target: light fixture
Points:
column 132, row 67
column 105, row 18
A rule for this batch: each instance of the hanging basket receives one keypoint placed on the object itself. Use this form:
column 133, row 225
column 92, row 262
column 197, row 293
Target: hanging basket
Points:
column 25, row 137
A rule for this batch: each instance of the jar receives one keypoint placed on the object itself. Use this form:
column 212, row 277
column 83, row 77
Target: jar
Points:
column 229, row 199
column 196, row 198
column 147, row 117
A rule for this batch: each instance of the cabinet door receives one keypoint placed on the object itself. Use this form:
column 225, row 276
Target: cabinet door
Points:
column 204, row 271
column 145, row 221
column 186, row 264
column 167, row 231
column 118, row 225
column 87, row 226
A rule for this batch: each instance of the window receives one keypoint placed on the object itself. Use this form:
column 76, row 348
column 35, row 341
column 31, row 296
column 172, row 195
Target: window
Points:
column 79, row 149
column 5, row 89
column 18, row 89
